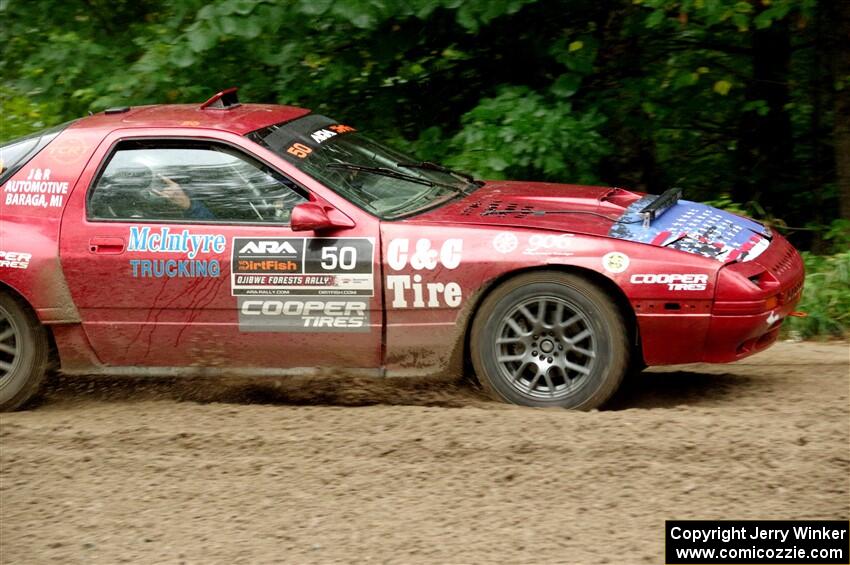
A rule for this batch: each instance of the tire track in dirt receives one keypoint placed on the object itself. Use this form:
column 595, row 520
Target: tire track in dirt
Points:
column 336, row 469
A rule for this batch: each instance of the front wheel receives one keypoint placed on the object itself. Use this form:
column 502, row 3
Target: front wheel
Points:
column 549, row 339
column 23, row 354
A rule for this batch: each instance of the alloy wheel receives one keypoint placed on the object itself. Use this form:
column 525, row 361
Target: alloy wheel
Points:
column 546, row 348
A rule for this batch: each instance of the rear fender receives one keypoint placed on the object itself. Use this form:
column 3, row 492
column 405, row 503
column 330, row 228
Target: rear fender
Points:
column 32, row 202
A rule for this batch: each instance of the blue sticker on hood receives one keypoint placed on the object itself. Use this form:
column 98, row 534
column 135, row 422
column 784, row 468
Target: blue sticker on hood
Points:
column 695, row 228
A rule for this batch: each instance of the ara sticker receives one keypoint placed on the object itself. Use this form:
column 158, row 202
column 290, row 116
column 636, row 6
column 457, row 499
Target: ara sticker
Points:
column 615, row 262
column 318, row 137
column 298, row 266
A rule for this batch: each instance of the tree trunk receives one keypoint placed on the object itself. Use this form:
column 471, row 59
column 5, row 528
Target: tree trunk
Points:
column 841, row 127
column 765, row 144
column 634, row 164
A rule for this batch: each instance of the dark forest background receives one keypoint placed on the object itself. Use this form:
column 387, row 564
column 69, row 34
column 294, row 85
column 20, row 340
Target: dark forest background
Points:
column 745, row 104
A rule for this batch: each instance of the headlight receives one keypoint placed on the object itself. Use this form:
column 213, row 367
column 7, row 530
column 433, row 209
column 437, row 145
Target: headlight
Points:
column 745, row 288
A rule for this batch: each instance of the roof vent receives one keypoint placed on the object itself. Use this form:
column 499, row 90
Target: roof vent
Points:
column 224, row 100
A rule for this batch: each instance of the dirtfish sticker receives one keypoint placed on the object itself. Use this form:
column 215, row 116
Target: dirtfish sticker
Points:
column 37, row 191
column 410, row 290
column 15, row 259
column 164, row 240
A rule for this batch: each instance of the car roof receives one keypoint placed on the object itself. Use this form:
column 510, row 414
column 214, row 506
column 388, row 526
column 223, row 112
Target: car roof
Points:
column 240, row 119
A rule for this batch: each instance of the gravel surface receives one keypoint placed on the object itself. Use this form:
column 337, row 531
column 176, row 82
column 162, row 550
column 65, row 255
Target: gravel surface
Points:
column 330, row 469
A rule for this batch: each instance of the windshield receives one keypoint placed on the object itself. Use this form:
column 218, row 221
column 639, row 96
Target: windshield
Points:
column 374, row 177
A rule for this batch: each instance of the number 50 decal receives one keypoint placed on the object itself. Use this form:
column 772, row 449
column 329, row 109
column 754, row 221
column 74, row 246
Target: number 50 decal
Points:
column 299, row 150
column 343, row 257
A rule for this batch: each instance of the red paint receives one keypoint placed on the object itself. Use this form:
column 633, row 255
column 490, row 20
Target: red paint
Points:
column 79, row 280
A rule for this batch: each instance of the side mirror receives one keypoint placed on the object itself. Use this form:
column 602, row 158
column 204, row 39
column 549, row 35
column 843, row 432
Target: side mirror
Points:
column 309, row 216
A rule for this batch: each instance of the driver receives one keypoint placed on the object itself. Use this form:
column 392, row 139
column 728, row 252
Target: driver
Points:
column 174, row 194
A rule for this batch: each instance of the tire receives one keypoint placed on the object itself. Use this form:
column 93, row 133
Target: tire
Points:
column 23, row 354
column 524, row 358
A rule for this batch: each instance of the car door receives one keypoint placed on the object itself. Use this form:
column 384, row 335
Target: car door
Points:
column 178, row 253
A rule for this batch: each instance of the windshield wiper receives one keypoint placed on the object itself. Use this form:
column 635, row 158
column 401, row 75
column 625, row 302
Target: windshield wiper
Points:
column 386, row 172
column 431, row 166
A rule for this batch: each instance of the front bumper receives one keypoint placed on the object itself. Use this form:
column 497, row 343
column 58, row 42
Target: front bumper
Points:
column 735, row 324
column 744, row 327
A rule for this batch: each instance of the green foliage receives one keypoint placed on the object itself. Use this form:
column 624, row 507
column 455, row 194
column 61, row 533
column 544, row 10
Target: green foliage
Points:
column 519, row 132
column 645, row 94
column 21, row 115
column 837, row 234
column 826, row 298
column 725, row 202
column 639, row 93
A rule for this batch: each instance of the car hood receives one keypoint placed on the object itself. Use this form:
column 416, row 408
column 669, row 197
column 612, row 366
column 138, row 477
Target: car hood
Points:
column 608, row 212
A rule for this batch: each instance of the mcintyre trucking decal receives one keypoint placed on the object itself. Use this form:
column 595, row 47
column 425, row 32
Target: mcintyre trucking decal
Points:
column 183, row 242
column 415, row 291
column 303, row 314
column 38, row 190
column 297, row 266
column 695, row 228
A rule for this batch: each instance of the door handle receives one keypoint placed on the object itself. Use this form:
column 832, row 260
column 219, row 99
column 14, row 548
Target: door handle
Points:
column 106, row 245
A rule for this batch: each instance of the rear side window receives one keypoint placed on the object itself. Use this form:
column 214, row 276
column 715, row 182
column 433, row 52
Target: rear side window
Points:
column 18, row 152
column 185, row 181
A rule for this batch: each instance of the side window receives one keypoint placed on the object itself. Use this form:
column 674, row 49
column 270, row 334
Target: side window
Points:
column 186, row 181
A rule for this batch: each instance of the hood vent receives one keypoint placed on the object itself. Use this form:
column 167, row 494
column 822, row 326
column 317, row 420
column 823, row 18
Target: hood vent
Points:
column 471, row 209
column 495, row 208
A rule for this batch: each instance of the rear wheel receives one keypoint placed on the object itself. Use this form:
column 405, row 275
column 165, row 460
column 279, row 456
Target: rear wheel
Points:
column 23, row 354
column 550, row 339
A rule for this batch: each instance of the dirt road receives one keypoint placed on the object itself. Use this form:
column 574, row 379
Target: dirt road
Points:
column 328, row 470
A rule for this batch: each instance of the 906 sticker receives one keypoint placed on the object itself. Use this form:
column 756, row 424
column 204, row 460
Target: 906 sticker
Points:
column 300, row 266
column 548, row 244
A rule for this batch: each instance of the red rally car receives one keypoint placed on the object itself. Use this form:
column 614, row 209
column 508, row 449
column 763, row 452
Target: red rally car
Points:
column 230, row 239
